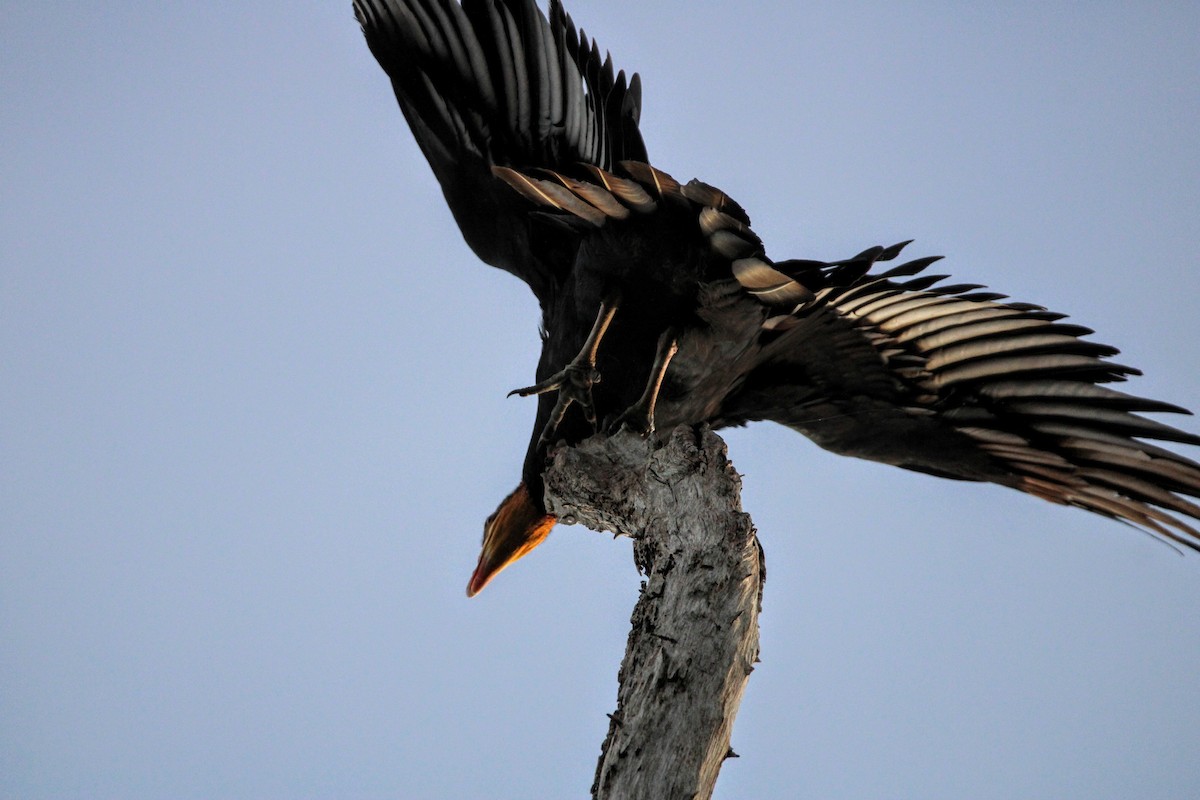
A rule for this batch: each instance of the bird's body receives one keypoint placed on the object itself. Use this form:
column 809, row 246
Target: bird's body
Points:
column 661, row 307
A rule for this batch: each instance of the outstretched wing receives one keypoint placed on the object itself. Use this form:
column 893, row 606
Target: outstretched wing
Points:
column 962, row 383
column 494, row 83
column 951, row 380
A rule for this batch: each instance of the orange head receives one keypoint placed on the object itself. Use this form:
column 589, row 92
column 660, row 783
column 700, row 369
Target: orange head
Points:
column 515, row 528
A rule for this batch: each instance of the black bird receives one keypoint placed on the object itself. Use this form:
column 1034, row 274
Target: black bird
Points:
column 664, row 290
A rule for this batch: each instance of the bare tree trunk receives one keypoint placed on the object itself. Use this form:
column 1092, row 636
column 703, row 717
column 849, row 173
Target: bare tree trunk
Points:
column 694, row 639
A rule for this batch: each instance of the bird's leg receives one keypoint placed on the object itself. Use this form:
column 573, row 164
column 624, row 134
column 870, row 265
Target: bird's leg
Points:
column 639, row 417
column 574, row 382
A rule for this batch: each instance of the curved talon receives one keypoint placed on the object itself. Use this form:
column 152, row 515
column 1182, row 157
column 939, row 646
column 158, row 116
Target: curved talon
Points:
column 637, row 418
column 579, row 377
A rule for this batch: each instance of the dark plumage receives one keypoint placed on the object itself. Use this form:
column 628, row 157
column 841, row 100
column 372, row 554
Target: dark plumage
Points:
column 535, row 142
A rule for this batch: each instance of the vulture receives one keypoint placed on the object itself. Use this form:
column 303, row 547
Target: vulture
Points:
column 660, row 306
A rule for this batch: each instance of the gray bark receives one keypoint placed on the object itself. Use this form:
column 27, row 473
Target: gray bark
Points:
column 694, row 638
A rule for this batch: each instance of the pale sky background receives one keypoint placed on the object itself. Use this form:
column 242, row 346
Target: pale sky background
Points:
column 252, row 412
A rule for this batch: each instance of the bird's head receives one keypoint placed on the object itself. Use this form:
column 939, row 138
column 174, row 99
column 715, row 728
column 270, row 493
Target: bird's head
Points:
column 515, row 528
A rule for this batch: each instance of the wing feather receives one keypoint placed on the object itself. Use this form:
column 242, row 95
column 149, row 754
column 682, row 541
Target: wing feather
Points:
column 498, row 83
column 957, row 382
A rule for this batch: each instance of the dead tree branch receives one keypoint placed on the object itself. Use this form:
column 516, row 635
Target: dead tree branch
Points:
column 694, row 637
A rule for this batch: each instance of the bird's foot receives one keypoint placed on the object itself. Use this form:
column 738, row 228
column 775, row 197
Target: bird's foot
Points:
column 574, row 385
column 638, row 418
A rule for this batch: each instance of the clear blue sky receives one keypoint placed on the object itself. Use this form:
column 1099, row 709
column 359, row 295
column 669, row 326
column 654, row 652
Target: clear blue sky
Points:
column 252, row 412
